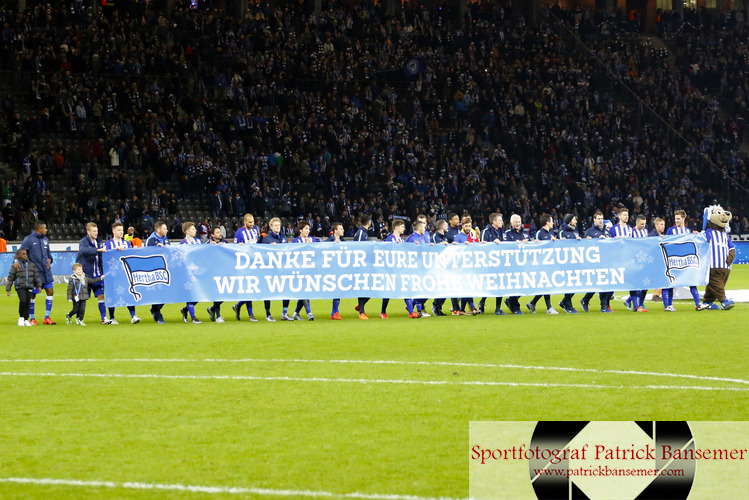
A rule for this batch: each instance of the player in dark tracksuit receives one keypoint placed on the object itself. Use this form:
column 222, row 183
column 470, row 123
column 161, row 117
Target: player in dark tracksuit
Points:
column 515, row 233
column 439, row 237
column 362, row 234
column 543, row 234
column 568, row 231
column 453, row 229
column 493, row 233
column 597, row 230
column 158, row 239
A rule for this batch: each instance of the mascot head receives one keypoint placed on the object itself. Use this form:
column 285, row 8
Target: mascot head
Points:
column 715, row 216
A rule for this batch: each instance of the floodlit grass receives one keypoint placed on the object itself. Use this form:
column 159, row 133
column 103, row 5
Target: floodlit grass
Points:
column 400, row 433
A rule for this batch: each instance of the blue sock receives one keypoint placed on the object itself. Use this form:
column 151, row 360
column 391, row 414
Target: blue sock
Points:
column 249, row 307
column 191, row 309
column 409, row 305
column 634, row 298
column 131, row 309
column 299, row 305
column 665, row 294
column 48, row 309
column 31, row 309
column 308, row 307
column 102, row 310
column 695, row 295
column 336, row 303
column 643, row 293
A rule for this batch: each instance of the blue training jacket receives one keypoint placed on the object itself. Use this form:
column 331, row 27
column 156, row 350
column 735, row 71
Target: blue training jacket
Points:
column 37, row 248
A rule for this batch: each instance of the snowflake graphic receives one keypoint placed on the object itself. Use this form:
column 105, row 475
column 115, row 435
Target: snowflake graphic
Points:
column 188, row 285
column 646, row 282
column 650, row 259
column 120, row 303
column 192, row 268
column 641, row 256
column 179, row 258
column 121, row 290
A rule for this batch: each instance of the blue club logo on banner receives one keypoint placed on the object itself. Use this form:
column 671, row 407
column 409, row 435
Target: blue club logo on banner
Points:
column 679, row 256
column 202, row 273
column 145, row 271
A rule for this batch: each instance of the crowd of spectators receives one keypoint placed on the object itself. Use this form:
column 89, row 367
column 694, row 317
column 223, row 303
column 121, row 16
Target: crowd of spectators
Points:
column 285, row 113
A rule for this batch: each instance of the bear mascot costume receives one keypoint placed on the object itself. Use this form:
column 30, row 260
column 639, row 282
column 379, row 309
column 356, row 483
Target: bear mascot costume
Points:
column 722, row 253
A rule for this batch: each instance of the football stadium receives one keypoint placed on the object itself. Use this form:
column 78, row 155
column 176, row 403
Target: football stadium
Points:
column 374, row 250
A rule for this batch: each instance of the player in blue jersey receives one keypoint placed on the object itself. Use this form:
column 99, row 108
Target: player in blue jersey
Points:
column 518, row 234
column 246, row 235
column 639, row 231
column 439, row 237
column 37, row 249
column 624, row 230
column 659, row 230
column 621, row 229
column 119, row 243
column 493, row 233
column 568, row 231
column 276, row 237
column 89, row 257
column 420, row 237
column 336, row 235
column 362, row 234
column 399, row 227
column 158, row 238
column 680, row 227
column 303, row 237
column 597, row 231
column 190, row 231
column 543, row 234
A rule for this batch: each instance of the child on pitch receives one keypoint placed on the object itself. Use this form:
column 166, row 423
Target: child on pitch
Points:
column 303, row 237
column 78, row 293
column 27, row 281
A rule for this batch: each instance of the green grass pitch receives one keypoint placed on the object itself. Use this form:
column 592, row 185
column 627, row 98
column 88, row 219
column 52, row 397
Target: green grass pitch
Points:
column 378, row 407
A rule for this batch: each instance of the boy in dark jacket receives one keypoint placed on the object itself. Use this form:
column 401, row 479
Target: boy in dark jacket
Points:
column 27, row 281
column 78, row 293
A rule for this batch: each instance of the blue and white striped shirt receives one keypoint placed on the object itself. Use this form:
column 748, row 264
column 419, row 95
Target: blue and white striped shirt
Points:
column 195, row 241
column 117, row 244
column 244, row 235
column 720, row 246
column 621, row 231
column 678, row 230
column 640, row 233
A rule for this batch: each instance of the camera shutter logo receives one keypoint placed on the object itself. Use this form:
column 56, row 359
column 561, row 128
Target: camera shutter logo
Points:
column 555, row 479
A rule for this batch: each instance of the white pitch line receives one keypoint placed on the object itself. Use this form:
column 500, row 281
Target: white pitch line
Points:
column 365, row 381
column 213, row 489
column 381, row 362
